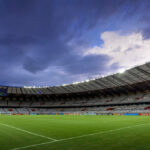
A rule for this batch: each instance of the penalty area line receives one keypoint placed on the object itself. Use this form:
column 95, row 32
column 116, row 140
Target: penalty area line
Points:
column 32, row 133
column 77, row 137
column 34, row 145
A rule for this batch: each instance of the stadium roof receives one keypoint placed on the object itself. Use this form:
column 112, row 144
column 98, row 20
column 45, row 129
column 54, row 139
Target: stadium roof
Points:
column 128, row 78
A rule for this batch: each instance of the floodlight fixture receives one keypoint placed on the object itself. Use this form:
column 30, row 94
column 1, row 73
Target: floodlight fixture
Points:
column 122, row 70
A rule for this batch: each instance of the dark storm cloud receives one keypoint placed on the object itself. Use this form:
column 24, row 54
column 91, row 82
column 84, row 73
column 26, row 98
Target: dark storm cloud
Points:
column 146, row 20
column 34, row 36
column 88, row 65
column 14, row 40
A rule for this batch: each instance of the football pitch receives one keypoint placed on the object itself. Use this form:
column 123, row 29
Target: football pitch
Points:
column 49, row 132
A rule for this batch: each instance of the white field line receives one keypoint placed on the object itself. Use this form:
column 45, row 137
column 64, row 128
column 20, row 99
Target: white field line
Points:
column 76, row 137
column 28, row 132
column 34, row 145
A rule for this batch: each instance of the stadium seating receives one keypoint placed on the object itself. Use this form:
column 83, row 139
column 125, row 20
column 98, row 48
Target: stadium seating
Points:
column 136, row 98
column 85, row 105
column 103, row 110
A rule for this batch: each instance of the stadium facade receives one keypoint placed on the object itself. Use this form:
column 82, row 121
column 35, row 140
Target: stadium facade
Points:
column 121, row 93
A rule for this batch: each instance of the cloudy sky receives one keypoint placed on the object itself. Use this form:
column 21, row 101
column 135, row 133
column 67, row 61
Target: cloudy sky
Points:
column 54, row 42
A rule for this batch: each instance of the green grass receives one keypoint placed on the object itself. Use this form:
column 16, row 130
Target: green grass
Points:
column 136, row 137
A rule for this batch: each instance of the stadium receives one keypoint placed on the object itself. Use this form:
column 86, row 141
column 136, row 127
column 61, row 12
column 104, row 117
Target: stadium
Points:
column 74, row 74
column 87, row 115
column 121, row 93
